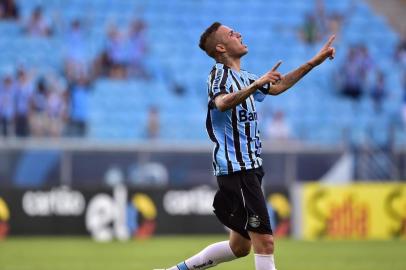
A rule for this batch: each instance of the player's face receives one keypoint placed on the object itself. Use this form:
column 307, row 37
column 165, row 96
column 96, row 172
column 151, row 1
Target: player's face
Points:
column 232, row 41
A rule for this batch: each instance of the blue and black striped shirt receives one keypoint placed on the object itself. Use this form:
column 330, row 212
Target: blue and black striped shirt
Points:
column 235, row 132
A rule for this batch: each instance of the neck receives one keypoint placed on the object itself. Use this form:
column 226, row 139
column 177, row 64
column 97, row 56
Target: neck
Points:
column 234, row 63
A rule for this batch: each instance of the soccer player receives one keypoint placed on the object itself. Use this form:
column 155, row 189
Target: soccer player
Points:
column 232, row 125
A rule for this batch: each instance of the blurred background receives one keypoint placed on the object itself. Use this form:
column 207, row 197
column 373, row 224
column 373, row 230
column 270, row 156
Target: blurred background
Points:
column 103, row 106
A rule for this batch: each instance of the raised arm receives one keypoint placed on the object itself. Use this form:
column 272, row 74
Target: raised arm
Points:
column 225, row 102
column 294, row 76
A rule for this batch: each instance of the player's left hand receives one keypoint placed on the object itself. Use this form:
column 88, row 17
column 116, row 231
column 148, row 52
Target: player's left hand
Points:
column 327, row 51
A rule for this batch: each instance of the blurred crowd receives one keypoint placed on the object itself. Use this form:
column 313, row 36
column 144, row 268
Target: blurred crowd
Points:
column 358, row 76
column 56, row 103
column 42, row 106
column 319, row 24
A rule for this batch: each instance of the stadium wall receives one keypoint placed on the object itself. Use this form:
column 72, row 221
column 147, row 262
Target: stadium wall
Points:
column 125, row 190
column 309, row 211
column 86, row 164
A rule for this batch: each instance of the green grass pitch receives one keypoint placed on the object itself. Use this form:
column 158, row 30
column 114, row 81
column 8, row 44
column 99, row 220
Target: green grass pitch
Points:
column 71, row 253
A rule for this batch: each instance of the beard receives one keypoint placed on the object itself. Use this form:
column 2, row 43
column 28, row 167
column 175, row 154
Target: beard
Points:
column 241, row 53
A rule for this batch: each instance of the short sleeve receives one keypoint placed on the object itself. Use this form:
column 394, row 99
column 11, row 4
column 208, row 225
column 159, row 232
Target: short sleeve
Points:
column 217, row 83
column 262, row 92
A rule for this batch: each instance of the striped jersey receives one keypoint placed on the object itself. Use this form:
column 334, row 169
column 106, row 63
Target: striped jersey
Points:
column 235, row 132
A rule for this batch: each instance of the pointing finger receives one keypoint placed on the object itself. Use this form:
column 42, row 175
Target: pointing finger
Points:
column 330, row 41
column 275, row 67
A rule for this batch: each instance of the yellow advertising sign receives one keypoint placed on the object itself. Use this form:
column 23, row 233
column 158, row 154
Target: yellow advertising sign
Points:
column 357, row 211
column 4, row 217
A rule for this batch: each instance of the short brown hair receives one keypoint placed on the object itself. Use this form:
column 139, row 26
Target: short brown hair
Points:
column 206, row 37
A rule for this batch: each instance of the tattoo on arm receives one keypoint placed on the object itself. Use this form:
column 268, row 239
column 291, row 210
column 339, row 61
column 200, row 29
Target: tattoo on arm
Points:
column 228, row 101
column 291, row 79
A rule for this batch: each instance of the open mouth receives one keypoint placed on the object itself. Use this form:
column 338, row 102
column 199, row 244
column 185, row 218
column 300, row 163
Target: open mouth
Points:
column 241, row 42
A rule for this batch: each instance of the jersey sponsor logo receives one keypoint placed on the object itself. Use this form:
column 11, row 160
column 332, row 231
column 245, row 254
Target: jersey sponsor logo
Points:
column 245, row 116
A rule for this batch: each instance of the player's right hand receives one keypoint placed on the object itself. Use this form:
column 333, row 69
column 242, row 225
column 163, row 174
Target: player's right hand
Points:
column 272, row 76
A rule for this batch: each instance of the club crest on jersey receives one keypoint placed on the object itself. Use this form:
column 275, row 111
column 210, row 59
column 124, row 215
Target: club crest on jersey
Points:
column 254, row 221
column 244, row 116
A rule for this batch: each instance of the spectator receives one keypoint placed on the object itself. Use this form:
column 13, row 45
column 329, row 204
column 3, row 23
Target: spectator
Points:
column 79, row 99
column 335, row 22
column 353, row 73
column 37, row 25
column 315, row 24
column 153, row 123
column 278, row 128
column 318, row 24
column 75, row 52
column 56, row 113
column 378, row 92
column 8, row 10
column 113, row 61
column 365, row 60
column 38, row 117
column 400, row 55
column 310, row 33
column 321, row 18
column 138, row 49
column 56, row 109
column 7, row 106
column 404, row 99
column 178, row 89
column 23, row 93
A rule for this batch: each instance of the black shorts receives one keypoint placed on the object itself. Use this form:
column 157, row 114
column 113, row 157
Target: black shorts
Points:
column 240, row 203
